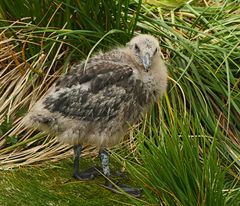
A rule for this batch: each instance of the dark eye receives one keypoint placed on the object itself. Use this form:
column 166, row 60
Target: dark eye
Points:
column 136, row 48
column 155, row 51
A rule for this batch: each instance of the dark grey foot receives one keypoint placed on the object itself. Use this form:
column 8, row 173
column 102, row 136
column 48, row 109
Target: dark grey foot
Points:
column 121, row 174
column 88, row 174
column 136, row 192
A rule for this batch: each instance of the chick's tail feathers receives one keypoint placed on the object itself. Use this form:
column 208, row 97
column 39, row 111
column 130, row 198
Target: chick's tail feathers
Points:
column 39, row 121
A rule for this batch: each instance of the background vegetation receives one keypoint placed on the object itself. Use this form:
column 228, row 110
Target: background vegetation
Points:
column 186, row 150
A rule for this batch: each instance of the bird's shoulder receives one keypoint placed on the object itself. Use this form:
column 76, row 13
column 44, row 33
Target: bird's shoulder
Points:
column 99, row 71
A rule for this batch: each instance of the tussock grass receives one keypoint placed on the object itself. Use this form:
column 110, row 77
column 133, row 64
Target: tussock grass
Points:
column 186, row 150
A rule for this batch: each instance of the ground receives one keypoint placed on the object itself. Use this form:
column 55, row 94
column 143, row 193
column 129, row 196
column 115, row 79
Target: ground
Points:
column 51, row 184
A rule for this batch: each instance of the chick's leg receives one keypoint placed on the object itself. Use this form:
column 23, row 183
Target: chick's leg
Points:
column 88, row 174
column 115, row 187
column 105, row 164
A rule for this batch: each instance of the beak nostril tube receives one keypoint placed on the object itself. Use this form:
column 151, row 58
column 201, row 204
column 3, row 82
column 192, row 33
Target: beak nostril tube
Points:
column 146, row 62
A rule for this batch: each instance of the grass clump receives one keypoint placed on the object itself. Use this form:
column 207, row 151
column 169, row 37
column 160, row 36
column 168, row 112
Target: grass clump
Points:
column 186, row 152
column 181, row 168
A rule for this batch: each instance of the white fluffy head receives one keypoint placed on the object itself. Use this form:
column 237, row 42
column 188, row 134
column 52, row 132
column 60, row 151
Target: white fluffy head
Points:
column 144, row 48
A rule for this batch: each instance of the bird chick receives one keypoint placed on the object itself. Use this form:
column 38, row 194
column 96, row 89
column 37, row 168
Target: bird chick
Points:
column 97, row 100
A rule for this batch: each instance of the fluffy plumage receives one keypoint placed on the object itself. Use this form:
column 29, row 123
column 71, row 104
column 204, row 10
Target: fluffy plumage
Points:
column 96, row 104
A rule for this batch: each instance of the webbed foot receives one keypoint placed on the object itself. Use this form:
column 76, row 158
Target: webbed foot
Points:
column 117, row 187
column 87, row 174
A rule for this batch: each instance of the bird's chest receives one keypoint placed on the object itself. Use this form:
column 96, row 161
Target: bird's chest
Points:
column 145, row 91
column 149, row 82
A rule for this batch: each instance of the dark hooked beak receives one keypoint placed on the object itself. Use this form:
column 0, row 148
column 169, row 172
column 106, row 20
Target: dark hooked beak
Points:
column 146, row 62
